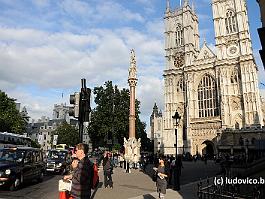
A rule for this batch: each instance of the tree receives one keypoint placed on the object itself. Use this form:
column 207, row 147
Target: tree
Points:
column 67, row 134
column 110, row 118
column 10, row 119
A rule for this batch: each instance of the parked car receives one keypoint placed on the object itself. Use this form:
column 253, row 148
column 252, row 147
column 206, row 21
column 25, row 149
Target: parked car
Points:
column 58, row 161
column 20, row 164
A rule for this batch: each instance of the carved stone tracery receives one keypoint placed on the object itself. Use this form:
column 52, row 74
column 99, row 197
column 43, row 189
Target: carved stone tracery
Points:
column 179, row 60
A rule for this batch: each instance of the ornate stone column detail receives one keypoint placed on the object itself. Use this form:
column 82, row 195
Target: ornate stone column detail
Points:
column 132, row 146
column 132, row 80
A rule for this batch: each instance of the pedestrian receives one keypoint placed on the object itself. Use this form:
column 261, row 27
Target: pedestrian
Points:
column 82, row 176
column 108, row 170
column 135, row 161
column 161, row 181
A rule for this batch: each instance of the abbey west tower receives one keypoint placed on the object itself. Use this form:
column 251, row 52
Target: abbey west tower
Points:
column 210, row 91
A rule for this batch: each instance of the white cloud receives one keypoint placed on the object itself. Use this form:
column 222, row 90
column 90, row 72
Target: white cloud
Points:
column 48, row 61
column 149, row 91
column 76, row 7
column 107, row 10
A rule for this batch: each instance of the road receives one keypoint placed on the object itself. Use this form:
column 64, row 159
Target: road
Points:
column 125, row 185
column 45, row 190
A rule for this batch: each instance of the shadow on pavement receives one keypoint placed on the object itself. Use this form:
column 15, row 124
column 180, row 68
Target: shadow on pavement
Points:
column 148, row 196
column 100, row 184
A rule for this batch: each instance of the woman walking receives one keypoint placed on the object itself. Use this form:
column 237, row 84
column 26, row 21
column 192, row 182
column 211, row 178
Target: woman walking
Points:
column 161, row 181
column 107, row 168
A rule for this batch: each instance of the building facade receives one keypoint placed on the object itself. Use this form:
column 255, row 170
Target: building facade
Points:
column 156, row 124
column 261, row 30
column 212, row 91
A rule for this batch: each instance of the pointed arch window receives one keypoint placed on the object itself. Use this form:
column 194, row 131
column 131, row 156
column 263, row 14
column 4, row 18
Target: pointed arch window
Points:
column 180, row 86
column 207, row 97
column 234, row 77
column 179, row 35
column 230, row 22
column 236, row 125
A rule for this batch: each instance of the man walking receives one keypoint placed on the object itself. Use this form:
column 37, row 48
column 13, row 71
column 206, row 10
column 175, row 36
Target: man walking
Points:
column 82, row 177
column 107, row 168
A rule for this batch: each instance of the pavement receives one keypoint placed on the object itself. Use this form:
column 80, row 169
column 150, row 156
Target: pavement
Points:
column 138, row 185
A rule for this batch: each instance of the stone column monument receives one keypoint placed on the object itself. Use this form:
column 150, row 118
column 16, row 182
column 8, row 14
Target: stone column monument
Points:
column 132, row 145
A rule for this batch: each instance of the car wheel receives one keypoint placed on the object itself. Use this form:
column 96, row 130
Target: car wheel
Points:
column 41, row 176
column 14, row 186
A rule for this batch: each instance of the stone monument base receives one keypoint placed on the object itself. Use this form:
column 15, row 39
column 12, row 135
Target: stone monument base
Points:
column 132, row 150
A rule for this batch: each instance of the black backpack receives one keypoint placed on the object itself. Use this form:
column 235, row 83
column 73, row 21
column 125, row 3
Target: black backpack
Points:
column 154, row 176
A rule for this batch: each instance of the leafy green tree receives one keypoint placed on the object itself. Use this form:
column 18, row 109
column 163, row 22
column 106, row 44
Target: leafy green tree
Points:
column 10, row 119
column 35, row 144
column 110, row 118
column 67, row 134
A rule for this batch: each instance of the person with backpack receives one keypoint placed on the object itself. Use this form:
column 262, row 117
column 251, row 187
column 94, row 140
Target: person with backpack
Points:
column 108, row 170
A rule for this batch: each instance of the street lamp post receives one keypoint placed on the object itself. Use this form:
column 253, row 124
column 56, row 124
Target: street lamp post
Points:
column 176, row 119
column 247, row 153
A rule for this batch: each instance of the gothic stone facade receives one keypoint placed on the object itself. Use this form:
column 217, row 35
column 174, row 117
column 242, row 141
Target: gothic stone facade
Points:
column 156, row 124
column 211, row 91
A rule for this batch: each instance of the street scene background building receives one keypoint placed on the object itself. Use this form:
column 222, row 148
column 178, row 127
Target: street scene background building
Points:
column 212, row 89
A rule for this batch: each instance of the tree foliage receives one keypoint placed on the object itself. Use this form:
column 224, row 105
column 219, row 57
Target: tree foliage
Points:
column 10, row 119
column 67, row 134
column 110, row 118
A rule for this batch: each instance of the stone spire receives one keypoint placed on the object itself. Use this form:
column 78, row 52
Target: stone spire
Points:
column 186, row 2
column 168, row 7
column 155, row 110
column 192, row 6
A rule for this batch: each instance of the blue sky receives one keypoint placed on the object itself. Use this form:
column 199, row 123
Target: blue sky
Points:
column 47, row 46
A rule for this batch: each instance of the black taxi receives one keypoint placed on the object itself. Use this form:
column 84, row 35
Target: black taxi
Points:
column 58, row 161
column 20, row 164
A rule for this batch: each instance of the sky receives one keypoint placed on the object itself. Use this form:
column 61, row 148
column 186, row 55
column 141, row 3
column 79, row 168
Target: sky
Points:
column 47, row 46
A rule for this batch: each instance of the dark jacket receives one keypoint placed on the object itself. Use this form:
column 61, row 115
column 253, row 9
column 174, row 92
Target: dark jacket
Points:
column 82, row 179
column 107, row 165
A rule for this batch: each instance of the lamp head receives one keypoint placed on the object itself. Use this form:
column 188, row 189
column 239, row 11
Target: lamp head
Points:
column 176, row 118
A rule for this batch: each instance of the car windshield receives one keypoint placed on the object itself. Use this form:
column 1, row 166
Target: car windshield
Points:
column 10, row 155
column 56, row 154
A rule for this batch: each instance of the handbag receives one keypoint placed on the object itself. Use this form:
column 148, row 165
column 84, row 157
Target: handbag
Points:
column 65, row 185
column 154, row 177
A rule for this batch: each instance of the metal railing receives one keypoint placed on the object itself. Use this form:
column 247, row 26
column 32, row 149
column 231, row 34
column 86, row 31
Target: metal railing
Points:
column 211, row 191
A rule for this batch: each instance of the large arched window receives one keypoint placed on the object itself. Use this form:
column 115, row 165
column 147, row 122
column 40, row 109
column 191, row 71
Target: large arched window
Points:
column 207, row 97
column 230, row 22
column 179, row 35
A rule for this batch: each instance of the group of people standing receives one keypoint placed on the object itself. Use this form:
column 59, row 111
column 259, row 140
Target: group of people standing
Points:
column 82, row 174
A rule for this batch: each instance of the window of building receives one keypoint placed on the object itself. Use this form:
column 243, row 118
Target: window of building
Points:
column 180, row 87
column 207, row 97
column 236, row 125
column 230, row 22
column 234, row 76
column 179, row 35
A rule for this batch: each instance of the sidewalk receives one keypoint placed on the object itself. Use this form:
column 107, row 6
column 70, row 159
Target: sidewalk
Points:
column 137, row 185
column 188, row 191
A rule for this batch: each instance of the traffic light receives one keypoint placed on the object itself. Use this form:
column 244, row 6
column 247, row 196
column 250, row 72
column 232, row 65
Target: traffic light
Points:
column 75, row 100
column 85, row 104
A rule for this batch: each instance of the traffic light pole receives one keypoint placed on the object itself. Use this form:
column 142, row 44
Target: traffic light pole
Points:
column 81, row 129
column 81, row 109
